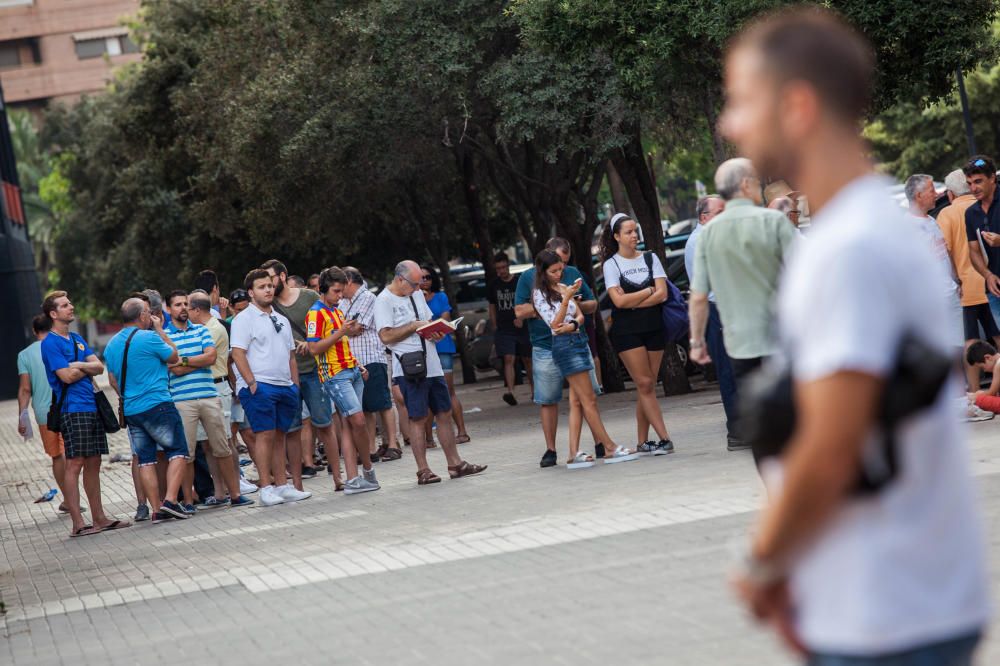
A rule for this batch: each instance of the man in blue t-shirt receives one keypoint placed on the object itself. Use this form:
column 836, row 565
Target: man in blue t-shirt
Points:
column 547, row 378
column 149, row 411
column 70, row 364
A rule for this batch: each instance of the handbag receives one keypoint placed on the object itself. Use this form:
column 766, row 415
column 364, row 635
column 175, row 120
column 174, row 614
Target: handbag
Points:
column 121, row 393
column 105, row 412
column 53, row 420
column 674, row 311
column 414, row 363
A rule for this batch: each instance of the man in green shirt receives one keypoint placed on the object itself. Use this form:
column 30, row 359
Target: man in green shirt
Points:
column 739, row 257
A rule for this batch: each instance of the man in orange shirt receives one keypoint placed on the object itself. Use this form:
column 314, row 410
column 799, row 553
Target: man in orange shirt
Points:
column 975, row 306
column 342, row 376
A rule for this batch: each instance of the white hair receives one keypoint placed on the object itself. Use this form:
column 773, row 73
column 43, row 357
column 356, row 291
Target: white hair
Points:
column 730, row 174
column 916, row 183
column 956, row 183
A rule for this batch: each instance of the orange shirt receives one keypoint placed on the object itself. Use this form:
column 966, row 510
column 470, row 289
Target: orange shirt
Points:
column 322, row 322
column 951, row 220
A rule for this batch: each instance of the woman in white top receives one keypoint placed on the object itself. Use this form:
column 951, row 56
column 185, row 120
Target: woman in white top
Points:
column 637, row 285
column 555, row 305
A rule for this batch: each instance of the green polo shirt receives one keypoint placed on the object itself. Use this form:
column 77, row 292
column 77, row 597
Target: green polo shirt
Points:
column 739, row 256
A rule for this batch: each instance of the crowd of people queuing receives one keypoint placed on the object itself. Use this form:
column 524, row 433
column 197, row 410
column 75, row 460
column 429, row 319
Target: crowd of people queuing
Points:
column 843, row 578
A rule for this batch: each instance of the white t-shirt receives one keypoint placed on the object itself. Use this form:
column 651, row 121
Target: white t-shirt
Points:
column 267, row 350
column 547, row 311
column 904, row 567
column 393, row 311
column 633, row 269
column 931, row 232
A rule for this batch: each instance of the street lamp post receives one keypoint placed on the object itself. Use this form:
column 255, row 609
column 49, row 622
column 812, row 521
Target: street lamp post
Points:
column 970, row 137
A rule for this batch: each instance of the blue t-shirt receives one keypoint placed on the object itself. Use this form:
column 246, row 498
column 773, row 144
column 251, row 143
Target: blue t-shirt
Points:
column 58, row 353
column 146, row 381
column 439, row 305
column 192, row 341
column 29, row 362
column 541, row 335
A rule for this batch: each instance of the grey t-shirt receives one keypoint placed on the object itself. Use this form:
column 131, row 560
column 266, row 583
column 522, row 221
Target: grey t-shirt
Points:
column 296, row 313
column 393, row 311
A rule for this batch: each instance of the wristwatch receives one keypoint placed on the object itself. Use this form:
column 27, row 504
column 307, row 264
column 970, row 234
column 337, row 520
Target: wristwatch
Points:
column 696, row 344
column 184, row 361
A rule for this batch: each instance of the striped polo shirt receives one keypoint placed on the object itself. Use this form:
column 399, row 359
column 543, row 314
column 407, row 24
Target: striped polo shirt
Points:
column 192, row 341
column 322, row 322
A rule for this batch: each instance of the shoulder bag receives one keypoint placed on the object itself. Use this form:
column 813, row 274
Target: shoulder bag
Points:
column 414, row 363
column 676, row 324
column 121, row 386
column 53, row 421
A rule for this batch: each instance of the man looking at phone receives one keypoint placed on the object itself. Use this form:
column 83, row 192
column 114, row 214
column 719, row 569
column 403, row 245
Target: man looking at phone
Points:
column 982, row 220
column 342, row 376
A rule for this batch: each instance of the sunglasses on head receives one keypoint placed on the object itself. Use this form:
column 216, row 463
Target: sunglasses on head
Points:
column 977, row 163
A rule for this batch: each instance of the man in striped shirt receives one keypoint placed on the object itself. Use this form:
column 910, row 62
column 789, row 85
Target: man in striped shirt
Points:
column 342, row 376
column 193, row 392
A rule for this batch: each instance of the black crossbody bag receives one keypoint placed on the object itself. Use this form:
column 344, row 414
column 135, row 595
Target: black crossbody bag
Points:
column 121, row 394
column 414, row 363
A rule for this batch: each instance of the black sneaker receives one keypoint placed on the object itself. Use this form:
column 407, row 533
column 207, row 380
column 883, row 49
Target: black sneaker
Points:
column 663, row 447
column 308, row 472
column 161, row 517
column 734, row 444
column 509, row 399
column 548, row 459
column 598, row 450
column 174, row 509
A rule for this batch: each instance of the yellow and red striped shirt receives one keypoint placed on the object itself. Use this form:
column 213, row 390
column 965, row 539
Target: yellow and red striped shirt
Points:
column 322, row 322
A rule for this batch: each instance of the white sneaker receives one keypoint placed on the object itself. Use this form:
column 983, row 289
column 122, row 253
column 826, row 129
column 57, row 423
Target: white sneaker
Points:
column 247, row 488
column 269, row 496
column 289, row 493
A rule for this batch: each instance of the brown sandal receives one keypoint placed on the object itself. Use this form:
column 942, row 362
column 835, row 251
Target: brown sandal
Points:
column 392, row 454
column 379, row 452
column 426, row 476
column 465, row 469
column 462, row 439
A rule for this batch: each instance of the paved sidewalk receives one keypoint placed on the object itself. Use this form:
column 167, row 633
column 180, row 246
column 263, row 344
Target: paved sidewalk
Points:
column 623, row 564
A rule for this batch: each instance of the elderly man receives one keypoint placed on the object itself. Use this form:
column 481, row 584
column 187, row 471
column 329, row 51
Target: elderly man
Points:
column 919, row 191
column 707, row 209
column 739, row 256
column 975, row 305
column 398, row 315
column 787, row 206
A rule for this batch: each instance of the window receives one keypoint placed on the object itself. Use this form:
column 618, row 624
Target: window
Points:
column 89, row 48
column 10, row 54
column 95, row 45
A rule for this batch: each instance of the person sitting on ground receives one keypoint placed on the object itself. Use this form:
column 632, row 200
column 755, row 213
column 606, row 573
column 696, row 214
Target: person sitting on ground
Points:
column 983, row 356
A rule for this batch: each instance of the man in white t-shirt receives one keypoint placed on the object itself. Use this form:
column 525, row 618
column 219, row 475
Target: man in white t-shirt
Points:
column 267, row 379
column 895, row 577
column 398, row 315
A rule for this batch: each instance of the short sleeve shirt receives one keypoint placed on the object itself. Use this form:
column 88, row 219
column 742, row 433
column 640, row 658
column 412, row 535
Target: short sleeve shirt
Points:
column 146, row 383
column 267, row 349
column 57, row 353
column 322, row 322
column 977, row 221
column 548, row 309
column 221, row 339
column 541, row 336
column 29, row 362
column 440, row 305
column 197, row 384
column 392, row 311
column 634, row 270
column 367, row 347
column 501, row 296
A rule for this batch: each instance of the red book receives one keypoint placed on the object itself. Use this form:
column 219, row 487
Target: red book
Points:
column 438, row 327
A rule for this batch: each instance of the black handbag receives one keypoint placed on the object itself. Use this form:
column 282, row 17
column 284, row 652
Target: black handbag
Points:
column 53, row 420
column 109, row 419
column 414, row 363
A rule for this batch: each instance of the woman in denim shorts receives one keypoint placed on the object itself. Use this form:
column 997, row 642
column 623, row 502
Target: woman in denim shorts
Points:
column 556, row 306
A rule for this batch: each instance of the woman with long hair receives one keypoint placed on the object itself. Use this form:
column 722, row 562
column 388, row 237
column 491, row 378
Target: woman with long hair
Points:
column 437, row 301
column 637, row 285
column 555, row 304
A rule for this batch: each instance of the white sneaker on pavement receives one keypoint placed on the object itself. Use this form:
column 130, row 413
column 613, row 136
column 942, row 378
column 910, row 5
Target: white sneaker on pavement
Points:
column 269, row 496
column 247, row 488
column 290, row 493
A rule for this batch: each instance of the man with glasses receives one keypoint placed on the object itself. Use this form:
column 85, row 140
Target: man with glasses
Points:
column 267, row 384
column 739, row 257
column 398, row 315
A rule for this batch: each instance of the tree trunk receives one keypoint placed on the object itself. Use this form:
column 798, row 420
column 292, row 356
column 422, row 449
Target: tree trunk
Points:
column 619, row 199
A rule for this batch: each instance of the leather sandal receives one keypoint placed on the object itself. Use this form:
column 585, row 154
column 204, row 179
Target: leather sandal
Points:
column 465, row 469
column 426, row 476
column 392, row 454
column 379, row 452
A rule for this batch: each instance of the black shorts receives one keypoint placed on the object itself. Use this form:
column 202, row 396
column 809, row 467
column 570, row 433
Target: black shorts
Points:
column 651, row 340
column 974, row 316
column 424, row 396
column 512, row 343
column 83, row 434
column 377, row 396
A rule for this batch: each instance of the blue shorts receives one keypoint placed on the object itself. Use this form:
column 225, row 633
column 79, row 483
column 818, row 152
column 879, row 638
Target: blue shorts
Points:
column 317, row 404
column 378, row 396
column 512, row 343
column 571, row 354
column 346, row 389
column 157, row 428
column 954, row 652
column 447, row 362
column 548, row 379
column 424, row 396
column 271, row 407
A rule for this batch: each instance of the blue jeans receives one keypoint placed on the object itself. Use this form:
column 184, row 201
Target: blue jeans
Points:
column 548, row 380
column 723, row 368
column 952, row 652
column 994, row 306
column 315, row 399
column 160, row 427
column 346, row 389
column 571, row 354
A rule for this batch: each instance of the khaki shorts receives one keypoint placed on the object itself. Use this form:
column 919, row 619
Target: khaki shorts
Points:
column 52, row 442
column 208, row 412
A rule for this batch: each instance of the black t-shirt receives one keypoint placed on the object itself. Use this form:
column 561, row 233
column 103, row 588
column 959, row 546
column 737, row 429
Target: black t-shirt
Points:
column 501, row 295
column 977, row 220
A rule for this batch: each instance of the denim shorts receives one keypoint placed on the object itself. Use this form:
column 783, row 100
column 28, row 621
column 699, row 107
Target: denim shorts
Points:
column 548, row 379
column 378, row 396
column 271, row 407
column 951, row 652
column 423, row 396
column 447, row 362
column 571, row 354
column 160, row 427
column 315, row 401
column 346, row 389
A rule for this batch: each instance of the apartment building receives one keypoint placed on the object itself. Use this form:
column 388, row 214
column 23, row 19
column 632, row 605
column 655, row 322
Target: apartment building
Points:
column 58, row 50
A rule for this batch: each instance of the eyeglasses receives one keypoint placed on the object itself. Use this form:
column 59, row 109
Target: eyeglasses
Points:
column 415, row 285
column 278, row 325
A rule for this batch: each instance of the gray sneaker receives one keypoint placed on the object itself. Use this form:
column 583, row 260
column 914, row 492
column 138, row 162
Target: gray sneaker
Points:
column 141, row 513
column 370, row 477
column 359, row 484
column 646, row 448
